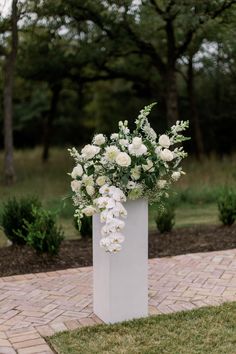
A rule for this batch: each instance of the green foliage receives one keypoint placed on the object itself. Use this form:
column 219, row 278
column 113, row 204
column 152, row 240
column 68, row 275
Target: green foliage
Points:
column 227, row 206
column 43, row 234
column 165, row 218
column 85, row 228
column 14, row 216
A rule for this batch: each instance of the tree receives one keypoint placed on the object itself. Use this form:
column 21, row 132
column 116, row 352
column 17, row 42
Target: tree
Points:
column 8, row 73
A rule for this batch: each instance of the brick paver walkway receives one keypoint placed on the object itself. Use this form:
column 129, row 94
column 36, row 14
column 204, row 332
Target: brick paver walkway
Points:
column 36, row 305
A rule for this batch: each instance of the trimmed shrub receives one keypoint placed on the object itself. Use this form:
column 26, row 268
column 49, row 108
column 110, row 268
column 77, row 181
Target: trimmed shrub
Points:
column 85, row 228
column 227, row 206
column 43, row 234
column 15, row 214
column 165, row 218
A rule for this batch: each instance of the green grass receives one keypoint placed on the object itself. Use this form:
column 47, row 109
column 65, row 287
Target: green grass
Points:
column 209, row 330
column 196, row 193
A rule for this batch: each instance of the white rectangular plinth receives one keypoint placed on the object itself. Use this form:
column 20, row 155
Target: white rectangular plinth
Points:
column 120, row 280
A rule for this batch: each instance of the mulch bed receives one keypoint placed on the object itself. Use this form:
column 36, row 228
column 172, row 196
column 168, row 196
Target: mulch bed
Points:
column 78, row 253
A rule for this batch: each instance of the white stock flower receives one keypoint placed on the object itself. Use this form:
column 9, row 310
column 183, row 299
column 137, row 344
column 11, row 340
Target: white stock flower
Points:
column 148, row 167
column 77, row 171
column 123, row 159
column 89, row 151
column 90, row 190
column 111, row 153
column 164, row 141
column 135, row 173
column 166, row 155
column 137, row 148
column 99, row 139
column 75, row 185
column 176, row 175
column 101, row 180
column 87, row 180
column 114, row 136
column 161, row 183
column 89, row 210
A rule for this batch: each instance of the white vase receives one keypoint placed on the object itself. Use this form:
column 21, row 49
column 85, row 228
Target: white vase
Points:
column 120, row 280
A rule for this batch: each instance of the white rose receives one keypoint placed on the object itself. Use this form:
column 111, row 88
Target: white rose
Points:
column 166, row 155
column 111, row 153
column 161, row 183
column 99, row 139
column 164, row 141
column 87, row 180
column 137, row 151
column 89, row 151
column 123, row 159
column 101, row 180
column 75, row 185
column 90, row 190
column 135, row 172
column 176, row 175
column 148, row 167
column 77, row 171
column 89, row 210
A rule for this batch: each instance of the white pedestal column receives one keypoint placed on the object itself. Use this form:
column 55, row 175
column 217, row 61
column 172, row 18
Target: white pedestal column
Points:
column 121, row 280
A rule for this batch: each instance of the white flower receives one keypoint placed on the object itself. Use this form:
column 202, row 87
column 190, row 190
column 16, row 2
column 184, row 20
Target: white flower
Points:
column 124, row 142
column 135, row 193
column 176, row 175
column 75, row 185
column 104, row 202
column 116, row 237
column 99, row 139
column 89, row 210
column 123, row 159
column 104, row 190
column 148, row 167
column 90, row 190
column 111, row 153
column 119, row 210
column 166, row 155
column 117, row 194
column 158, row 151
column 87, row 180
column 89, row 151
column 137, row 148
column 101, row 180
column 77, row 171
column 161, row 183
column 113, row 248
column 137, row 142
column 164, row 141
column 114, row 136
column 131, row 185
column 135, row 172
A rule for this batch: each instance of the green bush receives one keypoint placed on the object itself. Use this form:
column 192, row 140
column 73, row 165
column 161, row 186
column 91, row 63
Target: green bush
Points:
column 15, row 214
column 227, row 206
column 43, row 234
column 165, row 218
column 85, row 228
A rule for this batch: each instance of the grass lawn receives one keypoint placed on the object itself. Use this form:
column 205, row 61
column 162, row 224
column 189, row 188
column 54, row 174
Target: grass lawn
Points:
column 196, row 192
column 209, row 330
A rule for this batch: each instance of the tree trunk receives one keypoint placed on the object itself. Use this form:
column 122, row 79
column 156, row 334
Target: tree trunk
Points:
column 194, row 118
column 48, row 123
column 171, row 97
column 9, row 171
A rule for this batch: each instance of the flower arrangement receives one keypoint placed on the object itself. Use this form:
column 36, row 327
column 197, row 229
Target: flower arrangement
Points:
column 127, row 165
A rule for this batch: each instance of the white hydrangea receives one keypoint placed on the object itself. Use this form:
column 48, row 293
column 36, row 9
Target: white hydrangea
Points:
column 99, row 139
column 123, row 159
column 114, row 136
column 161, row 183
column 176, row 175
